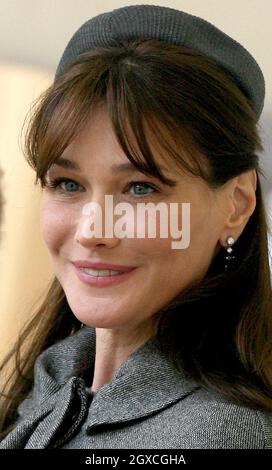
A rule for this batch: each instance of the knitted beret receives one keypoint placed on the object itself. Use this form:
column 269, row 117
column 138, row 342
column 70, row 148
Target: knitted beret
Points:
column 174, row 27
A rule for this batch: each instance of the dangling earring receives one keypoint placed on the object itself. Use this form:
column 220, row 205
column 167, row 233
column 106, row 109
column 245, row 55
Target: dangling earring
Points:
column 228, row 256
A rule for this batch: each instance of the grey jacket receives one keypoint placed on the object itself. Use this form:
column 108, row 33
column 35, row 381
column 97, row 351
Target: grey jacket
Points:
column 148, row 404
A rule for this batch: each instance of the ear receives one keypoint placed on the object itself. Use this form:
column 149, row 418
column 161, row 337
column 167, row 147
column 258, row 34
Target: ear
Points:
column 241, row 202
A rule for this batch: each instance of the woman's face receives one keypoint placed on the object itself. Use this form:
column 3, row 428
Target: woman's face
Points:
column 160, row 272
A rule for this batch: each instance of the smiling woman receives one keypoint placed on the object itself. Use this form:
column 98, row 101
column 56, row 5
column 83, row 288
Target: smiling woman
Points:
column 135, row 340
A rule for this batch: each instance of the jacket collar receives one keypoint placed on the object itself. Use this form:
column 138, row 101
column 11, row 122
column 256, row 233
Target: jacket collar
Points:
column 146, row 382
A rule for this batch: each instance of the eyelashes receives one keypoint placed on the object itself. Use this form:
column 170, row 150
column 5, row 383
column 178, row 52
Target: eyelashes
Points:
column 55, row 184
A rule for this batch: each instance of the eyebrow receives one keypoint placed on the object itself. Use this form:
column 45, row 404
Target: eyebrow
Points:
column 72, row 165
column 119, row 167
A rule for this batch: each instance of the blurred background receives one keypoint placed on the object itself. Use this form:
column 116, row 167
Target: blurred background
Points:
column 33, row 35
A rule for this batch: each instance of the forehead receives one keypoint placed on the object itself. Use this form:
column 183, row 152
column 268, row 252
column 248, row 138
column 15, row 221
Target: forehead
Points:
column 96, row 144
column 98, row 135
column 89, row 148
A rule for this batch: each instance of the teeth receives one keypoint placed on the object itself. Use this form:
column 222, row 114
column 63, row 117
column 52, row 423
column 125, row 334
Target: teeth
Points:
column 100, row 272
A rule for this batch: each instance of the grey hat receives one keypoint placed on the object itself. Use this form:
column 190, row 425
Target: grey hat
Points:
column 175, row 27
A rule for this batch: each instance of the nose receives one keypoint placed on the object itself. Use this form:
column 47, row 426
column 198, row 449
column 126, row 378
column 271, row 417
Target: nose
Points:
column 91, row 231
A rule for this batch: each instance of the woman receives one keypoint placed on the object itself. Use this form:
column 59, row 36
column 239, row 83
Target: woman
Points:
column 138, row 344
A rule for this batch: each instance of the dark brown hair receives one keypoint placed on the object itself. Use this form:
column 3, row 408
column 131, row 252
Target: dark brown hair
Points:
column 218, row 330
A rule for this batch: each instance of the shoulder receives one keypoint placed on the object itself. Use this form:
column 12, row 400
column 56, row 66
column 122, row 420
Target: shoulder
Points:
column 212, row 422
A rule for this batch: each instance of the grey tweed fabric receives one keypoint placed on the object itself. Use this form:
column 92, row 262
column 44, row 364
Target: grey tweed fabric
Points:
column 174, row 27
column 148, row 404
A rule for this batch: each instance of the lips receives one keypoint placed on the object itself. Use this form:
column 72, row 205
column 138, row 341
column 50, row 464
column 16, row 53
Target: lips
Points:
column 113, row 267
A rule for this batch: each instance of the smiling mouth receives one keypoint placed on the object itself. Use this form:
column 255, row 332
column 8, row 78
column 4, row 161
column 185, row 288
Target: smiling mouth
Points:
column 101, row 272
column 102, row 278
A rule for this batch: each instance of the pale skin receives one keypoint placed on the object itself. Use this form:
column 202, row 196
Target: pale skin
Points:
column 125, row 316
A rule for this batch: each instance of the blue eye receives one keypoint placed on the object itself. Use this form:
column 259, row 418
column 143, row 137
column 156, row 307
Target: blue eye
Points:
column 141, row 185
column 71, row 186
column 55, row 183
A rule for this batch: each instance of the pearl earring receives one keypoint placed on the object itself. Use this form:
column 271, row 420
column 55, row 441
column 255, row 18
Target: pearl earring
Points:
column 228, row 256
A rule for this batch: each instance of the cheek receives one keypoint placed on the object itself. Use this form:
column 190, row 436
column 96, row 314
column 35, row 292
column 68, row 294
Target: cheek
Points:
column 161, row 249
column 148, row 242
column 150, row 249
column 55, row 224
